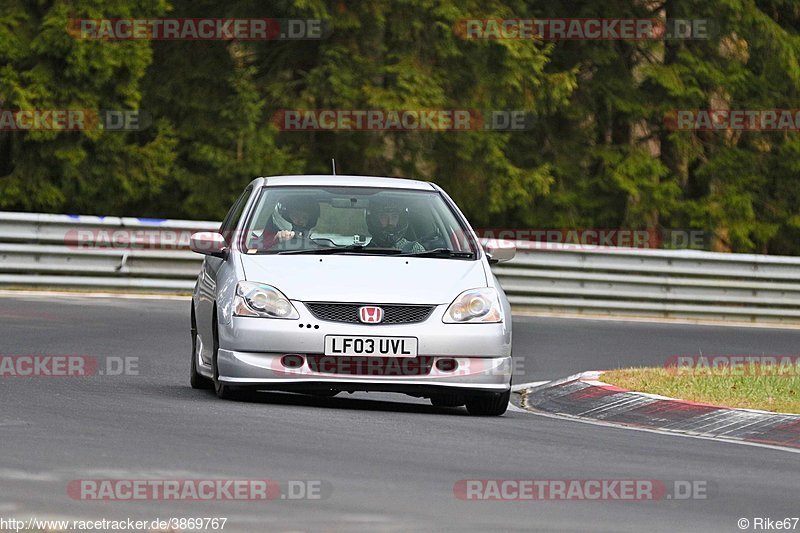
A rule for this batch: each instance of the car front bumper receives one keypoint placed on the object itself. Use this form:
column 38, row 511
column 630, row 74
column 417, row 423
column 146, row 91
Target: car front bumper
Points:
column 252, row 350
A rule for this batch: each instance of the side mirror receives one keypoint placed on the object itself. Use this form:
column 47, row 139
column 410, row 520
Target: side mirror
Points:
column 499, row 250
column 209, row 243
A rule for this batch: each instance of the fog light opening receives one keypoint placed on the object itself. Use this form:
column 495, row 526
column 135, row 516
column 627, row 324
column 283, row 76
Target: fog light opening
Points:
column 292, row 360
column 446, row 365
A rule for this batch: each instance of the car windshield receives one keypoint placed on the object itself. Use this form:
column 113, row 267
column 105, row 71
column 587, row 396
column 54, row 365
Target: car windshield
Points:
column 356, row 220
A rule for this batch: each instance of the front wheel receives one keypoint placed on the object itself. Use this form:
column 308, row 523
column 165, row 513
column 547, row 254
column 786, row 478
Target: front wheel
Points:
column 197, row 380
column 226, row 392
column 488, row 404
column 222, row 390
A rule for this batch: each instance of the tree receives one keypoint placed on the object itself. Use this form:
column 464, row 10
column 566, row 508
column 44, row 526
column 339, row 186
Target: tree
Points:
column 46, row 68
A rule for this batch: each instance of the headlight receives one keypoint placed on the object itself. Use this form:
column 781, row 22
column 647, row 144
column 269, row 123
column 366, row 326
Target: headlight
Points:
column 475, row 305
column 260, row 300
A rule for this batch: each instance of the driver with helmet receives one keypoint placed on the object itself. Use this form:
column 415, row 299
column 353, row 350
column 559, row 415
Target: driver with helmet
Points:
column 300, row 211
column 387, row 221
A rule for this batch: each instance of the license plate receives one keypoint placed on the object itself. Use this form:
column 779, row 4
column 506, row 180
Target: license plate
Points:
column 371, row 346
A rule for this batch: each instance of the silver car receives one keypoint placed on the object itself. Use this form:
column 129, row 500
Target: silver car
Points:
column 325, row 284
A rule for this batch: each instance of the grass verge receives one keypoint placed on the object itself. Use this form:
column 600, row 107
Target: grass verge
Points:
column 770, row 392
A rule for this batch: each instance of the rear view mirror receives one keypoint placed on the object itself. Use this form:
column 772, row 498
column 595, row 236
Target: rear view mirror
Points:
column 347, row 203
column 208, row 243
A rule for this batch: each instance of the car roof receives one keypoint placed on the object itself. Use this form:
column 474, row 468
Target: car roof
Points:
column 345, row 181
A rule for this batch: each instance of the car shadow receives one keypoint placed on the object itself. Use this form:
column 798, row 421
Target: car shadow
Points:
column 337, row 402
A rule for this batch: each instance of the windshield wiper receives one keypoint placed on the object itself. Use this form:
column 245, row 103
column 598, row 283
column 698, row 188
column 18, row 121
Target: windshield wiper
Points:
column 352, row 249
column 441, row 252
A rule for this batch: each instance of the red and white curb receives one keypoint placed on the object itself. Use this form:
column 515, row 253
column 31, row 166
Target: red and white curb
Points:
column 586, row 398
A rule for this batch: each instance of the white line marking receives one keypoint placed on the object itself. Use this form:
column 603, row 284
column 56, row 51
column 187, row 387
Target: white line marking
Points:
column 24, row 475
column 121, row 295
column 532, row 384
column 517, row 313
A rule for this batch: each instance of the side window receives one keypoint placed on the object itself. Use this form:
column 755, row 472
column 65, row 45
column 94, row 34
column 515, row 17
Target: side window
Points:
column 233, row 216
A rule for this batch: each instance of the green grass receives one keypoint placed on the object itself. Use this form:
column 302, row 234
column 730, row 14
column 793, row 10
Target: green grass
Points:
column 770, row 392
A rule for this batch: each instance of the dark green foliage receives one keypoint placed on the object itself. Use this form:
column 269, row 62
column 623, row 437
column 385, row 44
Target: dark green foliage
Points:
column 598, row 155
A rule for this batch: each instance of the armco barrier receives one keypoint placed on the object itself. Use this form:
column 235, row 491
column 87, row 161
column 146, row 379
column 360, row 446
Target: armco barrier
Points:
column 647, row 282
column 49, row 251
column 56, row 251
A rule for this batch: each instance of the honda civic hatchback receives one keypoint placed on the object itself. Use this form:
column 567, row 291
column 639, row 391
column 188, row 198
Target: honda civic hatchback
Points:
column 330, row 284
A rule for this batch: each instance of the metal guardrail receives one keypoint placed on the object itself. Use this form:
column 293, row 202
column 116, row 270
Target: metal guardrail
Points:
column 66, row 251
column 63, row 251
column 659, row 283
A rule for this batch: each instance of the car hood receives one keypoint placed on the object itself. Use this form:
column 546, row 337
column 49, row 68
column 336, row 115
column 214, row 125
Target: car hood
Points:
column 365, row 279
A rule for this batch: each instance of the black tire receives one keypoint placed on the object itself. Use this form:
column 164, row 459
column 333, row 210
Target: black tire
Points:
column 447, row 400
column 197, row 380
column 488, row 404
column 222, row 390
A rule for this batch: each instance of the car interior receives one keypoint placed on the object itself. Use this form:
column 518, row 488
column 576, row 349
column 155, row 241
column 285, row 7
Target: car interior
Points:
column 342, row 222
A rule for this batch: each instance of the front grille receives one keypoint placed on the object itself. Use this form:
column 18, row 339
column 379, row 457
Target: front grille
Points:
column 371, row 366
column 392, row 314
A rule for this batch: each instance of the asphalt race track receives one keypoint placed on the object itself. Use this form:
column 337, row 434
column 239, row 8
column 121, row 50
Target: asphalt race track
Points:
column 391, row 461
